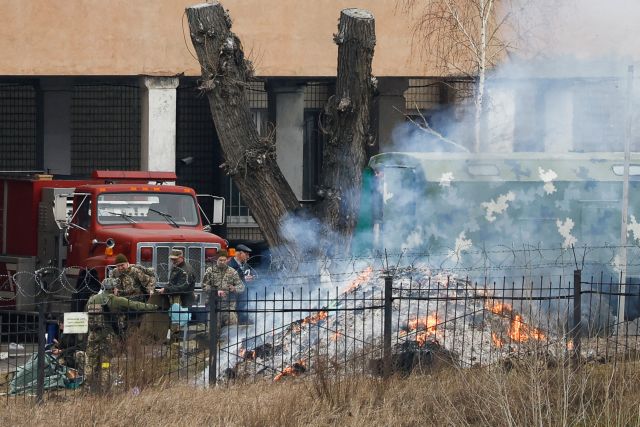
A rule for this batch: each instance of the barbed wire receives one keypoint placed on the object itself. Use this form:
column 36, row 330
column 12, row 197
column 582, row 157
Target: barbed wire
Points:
column 506, row 263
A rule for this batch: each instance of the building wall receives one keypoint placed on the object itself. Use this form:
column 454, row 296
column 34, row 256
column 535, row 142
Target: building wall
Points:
column 120, row 37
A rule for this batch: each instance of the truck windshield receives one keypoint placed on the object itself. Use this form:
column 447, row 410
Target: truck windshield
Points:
column 129, row 208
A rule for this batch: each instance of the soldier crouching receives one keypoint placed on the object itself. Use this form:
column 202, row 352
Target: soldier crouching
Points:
column 103, row 309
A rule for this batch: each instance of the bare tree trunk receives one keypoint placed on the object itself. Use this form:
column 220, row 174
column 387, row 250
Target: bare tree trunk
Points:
column 248, row 159
column 486, row 11
column 346, row 120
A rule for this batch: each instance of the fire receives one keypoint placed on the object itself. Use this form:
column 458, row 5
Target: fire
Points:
column 312, row 319
column 428, row 328
column 497, row 341
column 293, row 371
column 500, row 308
column 315, row 318
column 521, row 332
column 359, row 280
column 422, row 338
column 335, row 336
column 247, row 354
column 428, row 323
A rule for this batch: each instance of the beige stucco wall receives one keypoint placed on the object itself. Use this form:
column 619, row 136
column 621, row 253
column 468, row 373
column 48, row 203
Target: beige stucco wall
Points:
column 134, row 37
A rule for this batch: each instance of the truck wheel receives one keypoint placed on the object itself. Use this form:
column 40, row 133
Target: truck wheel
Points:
column 87, row 285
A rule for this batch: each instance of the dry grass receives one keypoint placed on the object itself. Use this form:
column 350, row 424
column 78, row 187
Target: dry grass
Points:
column 528, row 393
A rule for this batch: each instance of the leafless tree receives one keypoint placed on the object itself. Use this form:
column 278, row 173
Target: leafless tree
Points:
column 251, row 160
column 465, row 38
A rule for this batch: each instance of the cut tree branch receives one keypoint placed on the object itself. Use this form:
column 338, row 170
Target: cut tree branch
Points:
column 250, row 160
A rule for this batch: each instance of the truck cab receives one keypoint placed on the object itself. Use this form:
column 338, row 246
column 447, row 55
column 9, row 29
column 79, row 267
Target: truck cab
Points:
column 142, row 221
column 74, row 230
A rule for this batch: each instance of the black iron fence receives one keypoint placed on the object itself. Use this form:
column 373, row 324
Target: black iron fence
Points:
column 376, row 322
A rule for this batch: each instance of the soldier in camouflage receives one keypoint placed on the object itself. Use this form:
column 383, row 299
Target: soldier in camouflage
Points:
column 103, row 309
column 224, row 280
column 136, row 281
column 182, row 280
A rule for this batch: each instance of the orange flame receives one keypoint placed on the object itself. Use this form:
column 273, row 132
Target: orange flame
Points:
column 428, row 325
column 521, row 332
column 251, row 355
column 315, row 318
column 292, row 371
column 359, row 280
column 312, row 319
column 335, row 336
column 500, row 308
column 497, row 341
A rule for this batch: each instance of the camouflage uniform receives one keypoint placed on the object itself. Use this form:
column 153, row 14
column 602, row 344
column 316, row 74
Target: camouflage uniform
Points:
column 135, row 282
column 103, row 309
column 223, row 278
column 182, row 281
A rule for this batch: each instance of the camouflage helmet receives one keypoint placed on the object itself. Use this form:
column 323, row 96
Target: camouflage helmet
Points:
column 109, row 283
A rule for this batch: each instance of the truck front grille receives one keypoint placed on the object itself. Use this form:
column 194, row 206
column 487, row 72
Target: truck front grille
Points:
column 194, row 255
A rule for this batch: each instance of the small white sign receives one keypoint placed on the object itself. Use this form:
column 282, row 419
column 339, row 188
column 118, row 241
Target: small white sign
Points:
column 76, row 323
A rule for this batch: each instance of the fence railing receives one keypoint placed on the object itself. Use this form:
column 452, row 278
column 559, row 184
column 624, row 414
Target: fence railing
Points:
column 395, row 320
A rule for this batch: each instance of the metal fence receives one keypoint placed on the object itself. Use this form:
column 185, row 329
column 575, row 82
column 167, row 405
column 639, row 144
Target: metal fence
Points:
column 377, row 321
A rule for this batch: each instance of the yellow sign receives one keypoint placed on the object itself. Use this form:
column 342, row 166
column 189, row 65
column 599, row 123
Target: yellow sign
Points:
column 76, row 323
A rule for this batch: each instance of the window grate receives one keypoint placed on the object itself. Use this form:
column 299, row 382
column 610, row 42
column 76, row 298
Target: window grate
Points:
column 18, row 127
column 598, row 116
column 256, row 95
column 423, row 94
column 316, row 94
column 197, row 155
column 237, row 211
column 244, row 233
column 105, row 127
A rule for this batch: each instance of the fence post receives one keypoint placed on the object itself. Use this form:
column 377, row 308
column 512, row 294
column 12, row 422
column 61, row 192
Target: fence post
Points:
column 577, row 312
column 42, row 342
column 386, row 358
column 213, row 336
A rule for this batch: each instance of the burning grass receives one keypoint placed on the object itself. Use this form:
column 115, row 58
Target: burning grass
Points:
column 529, row 392
column 519, row 331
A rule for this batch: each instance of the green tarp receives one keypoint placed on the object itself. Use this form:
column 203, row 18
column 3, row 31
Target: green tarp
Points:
column 26, row 377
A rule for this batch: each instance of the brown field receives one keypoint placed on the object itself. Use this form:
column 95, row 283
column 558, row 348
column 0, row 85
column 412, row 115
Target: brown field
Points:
column 527, row 393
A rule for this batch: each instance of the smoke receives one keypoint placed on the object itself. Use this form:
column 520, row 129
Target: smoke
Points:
column 494, row 215
column 585, row 29
column 563, row 90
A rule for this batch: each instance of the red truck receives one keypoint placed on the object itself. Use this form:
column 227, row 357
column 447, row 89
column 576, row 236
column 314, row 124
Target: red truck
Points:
column 58, row 238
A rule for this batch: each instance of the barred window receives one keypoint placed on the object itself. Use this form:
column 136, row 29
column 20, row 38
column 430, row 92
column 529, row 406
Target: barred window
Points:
column 105, row 127
column 18, row 127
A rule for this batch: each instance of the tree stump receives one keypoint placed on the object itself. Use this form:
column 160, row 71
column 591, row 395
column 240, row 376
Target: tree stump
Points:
column 250, row 160
column 347, row 122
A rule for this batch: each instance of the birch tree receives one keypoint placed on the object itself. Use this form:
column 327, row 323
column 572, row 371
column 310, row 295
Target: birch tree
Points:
column 465, row 38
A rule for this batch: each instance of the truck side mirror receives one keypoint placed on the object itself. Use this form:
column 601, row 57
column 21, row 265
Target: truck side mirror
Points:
column 218, row 211
column 62, row 206
column 218, row 215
